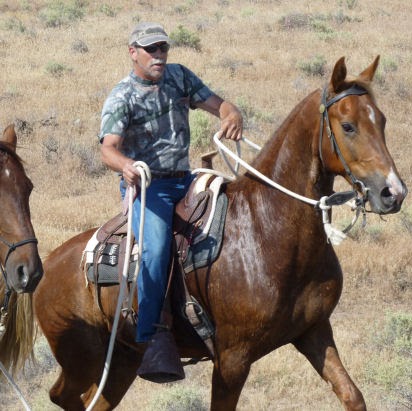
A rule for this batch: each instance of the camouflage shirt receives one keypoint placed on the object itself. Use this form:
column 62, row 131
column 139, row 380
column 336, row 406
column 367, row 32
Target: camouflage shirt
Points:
column 152, row 118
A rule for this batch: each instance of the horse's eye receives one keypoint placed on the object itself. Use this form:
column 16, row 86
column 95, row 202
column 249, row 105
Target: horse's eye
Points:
column 348, row 128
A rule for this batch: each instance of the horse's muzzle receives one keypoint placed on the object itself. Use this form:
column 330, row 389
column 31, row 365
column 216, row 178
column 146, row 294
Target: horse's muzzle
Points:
column 24, row 278
column 389, row 200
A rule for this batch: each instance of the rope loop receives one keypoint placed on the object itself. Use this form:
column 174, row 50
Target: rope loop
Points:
column 144, row 170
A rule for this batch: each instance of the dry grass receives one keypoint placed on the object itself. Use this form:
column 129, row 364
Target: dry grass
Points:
column 251, row 52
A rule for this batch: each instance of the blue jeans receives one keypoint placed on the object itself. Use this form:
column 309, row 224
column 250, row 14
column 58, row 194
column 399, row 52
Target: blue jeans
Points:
column 161, row 197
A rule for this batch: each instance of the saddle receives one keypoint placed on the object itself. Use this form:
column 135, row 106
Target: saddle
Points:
column 198, row 231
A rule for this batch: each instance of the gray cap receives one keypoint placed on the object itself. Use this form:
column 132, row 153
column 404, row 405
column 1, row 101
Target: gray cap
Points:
column 146, row 33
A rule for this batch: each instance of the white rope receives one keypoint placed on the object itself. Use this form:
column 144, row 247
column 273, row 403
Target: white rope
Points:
column 140, row 240
column 257, row 173
column 334, row 235
column 145, row 178
column 15, row 387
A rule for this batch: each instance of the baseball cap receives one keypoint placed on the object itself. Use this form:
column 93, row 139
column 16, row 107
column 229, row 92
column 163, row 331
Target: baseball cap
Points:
column 145, row 34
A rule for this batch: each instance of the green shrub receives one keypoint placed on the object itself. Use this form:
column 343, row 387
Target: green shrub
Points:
column 295, row 21
column 57, row 69
column 320, row 27
column 51, row 150
column 89, row 157
column 182, row 37
column 314, row 67
column 388, row 65
column 14, row 24
column 58, row 13
column 79, row 46
column 351, row 4
column 178, row 398
column 200, row 129
column 391, row 365
column 108, row 10
column 247, row 12
column 398, row 333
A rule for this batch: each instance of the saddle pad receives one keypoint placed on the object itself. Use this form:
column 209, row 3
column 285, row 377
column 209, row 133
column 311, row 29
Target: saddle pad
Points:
column 199, row 255
column 204, row 252
column 109, row 274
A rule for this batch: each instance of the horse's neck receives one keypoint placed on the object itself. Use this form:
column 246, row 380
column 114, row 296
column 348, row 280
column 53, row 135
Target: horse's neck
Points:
column 290, row 157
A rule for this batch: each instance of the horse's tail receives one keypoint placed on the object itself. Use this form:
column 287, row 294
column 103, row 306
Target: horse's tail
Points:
column 17, row 343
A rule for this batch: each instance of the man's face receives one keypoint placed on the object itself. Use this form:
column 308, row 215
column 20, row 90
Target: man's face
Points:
column 149, row 62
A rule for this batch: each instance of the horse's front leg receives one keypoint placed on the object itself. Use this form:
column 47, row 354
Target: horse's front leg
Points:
column 229, row 375
column 318, row 345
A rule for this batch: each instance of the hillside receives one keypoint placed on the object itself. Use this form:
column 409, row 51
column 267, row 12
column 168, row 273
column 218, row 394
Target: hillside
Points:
column 60, row 58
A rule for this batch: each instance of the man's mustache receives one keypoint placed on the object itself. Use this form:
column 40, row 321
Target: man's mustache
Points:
column 158, row 61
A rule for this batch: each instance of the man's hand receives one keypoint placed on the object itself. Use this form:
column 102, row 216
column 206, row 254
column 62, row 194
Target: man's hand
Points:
column 131, row 174
column 231, row 118
column 232, row 122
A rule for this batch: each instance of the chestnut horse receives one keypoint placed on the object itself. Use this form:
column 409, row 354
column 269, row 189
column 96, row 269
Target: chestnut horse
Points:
column 20, row 264
column 277, row 278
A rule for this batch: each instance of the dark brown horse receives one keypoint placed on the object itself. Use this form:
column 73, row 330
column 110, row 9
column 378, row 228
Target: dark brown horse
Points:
column 20, row 264
column 277, row 279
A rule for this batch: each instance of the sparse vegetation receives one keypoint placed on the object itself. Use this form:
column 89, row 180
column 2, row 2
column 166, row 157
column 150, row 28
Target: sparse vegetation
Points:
column 182, row 37
column 60, row 58
column 59, row 12
column 314, row 67
column 201, row 130
column 178, row 398
column 57, row 69
column 391, row 366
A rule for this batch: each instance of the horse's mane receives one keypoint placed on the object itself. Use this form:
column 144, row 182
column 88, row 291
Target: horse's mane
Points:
column 16, row 345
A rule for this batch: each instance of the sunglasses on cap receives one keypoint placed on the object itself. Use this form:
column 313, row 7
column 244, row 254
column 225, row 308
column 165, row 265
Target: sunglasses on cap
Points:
column 164, row 48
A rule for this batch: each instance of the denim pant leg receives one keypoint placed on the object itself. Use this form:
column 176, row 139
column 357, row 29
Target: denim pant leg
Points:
column 161, row 197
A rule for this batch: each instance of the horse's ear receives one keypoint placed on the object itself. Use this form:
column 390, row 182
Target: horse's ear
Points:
column 367, row 74
column 9, row 137
column 338, row 75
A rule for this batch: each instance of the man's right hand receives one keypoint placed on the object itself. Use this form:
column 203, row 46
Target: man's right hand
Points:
column 131, row 174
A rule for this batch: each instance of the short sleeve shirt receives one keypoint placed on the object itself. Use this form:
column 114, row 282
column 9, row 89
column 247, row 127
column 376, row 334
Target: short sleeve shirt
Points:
column 152, row 118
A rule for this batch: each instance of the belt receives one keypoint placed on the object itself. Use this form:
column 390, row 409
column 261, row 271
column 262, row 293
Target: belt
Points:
column 173, row 174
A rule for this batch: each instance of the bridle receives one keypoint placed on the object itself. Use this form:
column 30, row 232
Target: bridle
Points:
column 324, row 121
column 12, row 247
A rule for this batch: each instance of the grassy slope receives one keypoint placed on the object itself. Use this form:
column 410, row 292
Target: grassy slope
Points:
column 54, row 93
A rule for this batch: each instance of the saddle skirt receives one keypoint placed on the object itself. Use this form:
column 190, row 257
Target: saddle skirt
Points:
column 198, row 231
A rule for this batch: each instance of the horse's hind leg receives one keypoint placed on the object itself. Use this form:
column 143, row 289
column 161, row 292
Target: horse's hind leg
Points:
column 319, row 348
column 229, row 375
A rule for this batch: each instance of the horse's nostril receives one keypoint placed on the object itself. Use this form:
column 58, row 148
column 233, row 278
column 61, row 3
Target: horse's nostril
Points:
column 22, row 276
column 386, row 193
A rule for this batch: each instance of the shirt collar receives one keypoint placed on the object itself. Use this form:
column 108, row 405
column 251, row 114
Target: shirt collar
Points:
column 145, row 82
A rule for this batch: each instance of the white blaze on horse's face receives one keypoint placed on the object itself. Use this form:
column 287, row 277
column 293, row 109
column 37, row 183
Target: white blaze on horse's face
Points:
column 371, row 114
column 7, row 172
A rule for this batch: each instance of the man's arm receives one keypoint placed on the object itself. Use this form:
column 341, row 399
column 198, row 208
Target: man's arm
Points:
column 115, row 160
column 231, row 118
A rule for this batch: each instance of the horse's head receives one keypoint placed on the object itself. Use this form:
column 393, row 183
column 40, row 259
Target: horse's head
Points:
column 20, row 262
column 352, row 142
